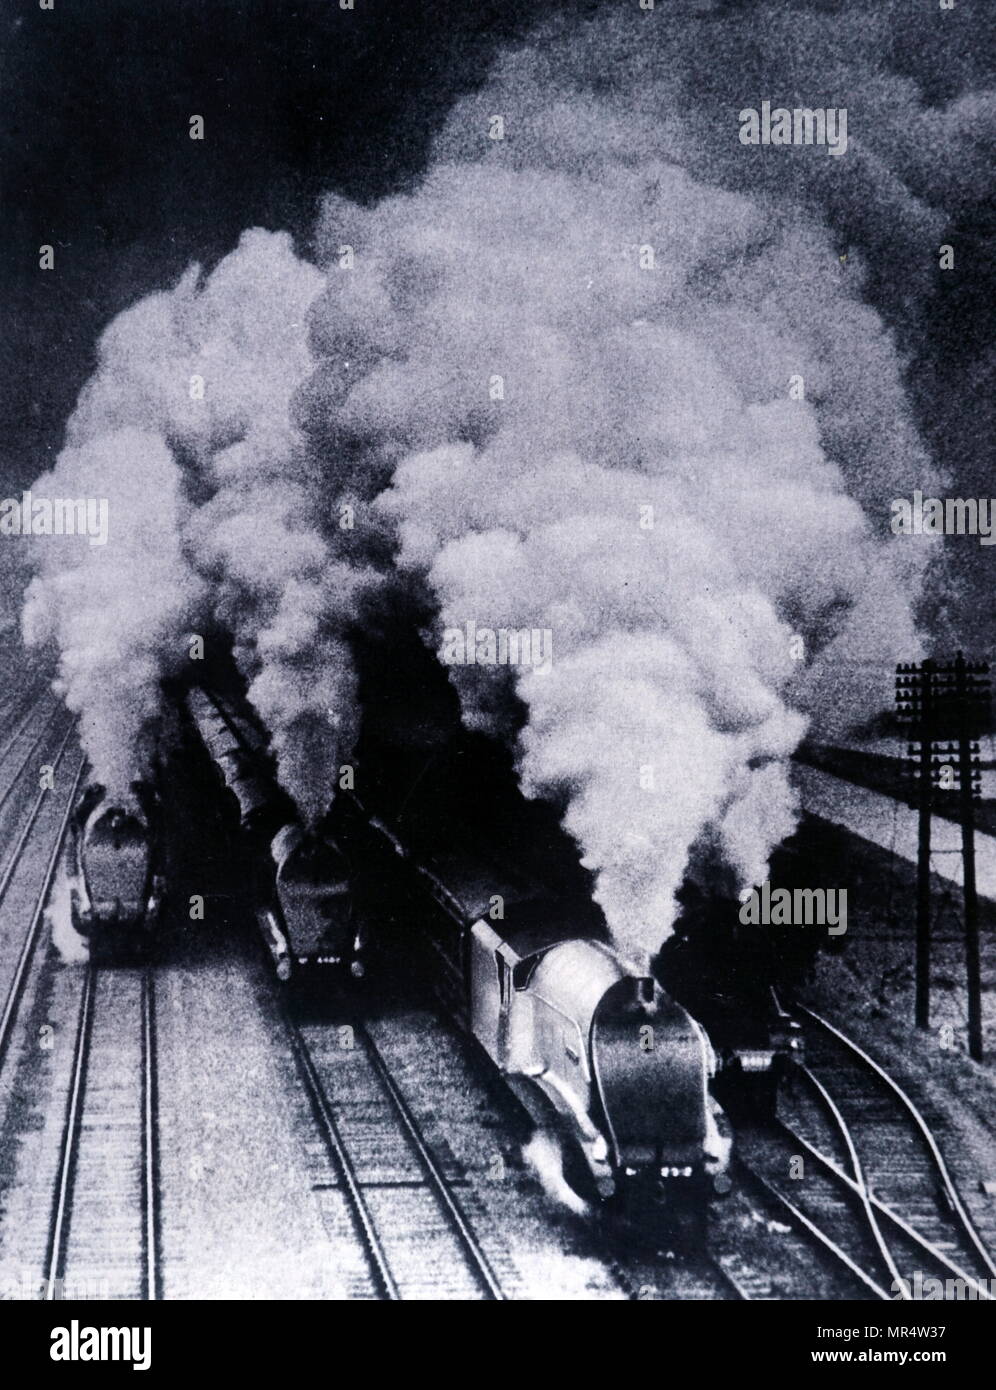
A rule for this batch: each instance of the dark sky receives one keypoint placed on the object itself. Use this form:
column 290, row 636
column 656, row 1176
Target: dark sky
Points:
column 298, row 96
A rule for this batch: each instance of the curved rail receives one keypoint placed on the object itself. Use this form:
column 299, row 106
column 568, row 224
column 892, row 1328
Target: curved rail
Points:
column 887, row 1214
column 860, row 1186
column 951, row 1193
column 807, row 1225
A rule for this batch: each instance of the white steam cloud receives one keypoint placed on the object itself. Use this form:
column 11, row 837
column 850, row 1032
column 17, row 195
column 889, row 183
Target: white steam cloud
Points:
column 646, row 489
column 215, row 512
column 116, row 612
column 550, row 432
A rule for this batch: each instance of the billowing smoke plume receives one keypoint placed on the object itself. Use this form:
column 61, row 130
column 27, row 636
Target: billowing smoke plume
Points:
column 612, row 375
column 644, row 487
column 578, row 359
column 116, row 612
column 215, row 513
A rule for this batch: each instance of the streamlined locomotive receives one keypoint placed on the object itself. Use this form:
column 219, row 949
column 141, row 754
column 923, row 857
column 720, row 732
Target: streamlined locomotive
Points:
column 599, row 1055
column 116, row 883
column 300, row 887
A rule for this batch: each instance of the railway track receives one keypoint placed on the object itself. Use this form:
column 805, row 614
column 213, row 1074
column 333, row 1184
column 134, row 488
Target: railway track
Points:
column 14, row 859
column 27, row 706
column 28, row 760
column 89, row 1223
column 866, row 1176
column 31, row 675
column 99, row 1229
column 863, row 1124
column 409, row 1253
column 875, row 1176
column 821, row 1209
column 698, row 1277
column 103, row 1226
column 783, row 1251
column 20, row 965
column 406, row 1215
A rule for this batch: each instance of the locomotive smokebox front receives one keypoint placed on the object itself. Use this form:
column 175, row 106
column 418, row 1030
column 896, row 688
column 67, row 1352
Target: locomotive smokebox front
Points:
column 651, row 1066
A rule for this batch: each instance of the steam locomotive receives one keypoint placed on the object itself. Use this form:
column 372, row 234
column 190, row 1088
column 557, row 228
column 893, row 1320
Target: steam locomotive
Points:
column 598, row 1054
column 601, row 1058
column 437, row 847
column 300, row 878
column 114, row 866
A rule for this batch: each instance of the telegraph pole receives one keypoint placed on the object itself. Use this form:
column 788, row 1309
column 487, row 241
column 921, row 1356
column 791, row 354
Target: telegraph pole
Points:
column 971, row 696
column 955, row 695
column 914, row 705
